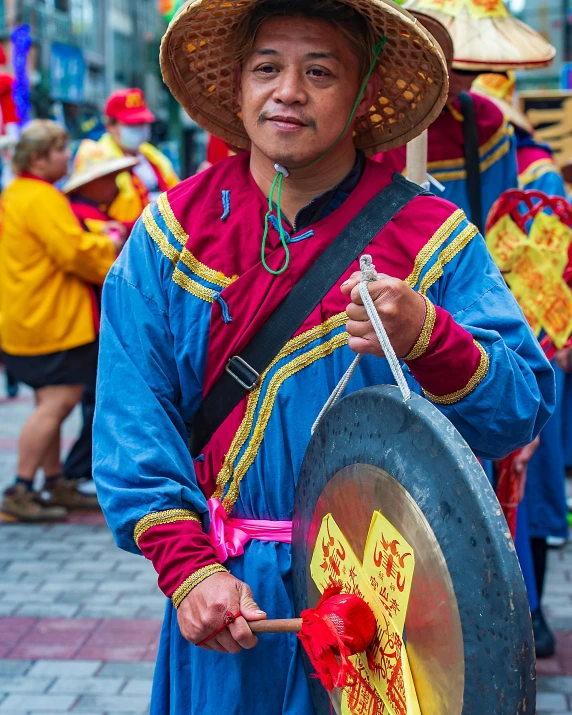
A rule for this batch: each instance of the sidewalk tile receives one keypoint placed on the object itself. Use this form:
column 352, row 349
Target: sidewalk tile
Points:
column 88, row 686
column 24, row 684
column 23, row 703
column 115, row 653
column 48, row 610
column 35, row 652
column 69, row 632
column 137, row 687
column 65, row 668
column 556, row 702
column 117, row 704
column 556, row 684
column 127, row 670
column 9, row 668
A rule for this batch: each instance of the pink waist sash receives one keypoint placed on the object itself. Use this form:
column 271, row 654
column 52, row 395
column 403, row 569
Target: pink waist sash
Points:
column 229, row 535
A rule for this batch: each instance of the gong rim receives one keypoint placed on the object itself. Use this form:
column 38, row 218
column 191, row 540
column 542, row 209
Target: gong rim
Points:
column 421, row 450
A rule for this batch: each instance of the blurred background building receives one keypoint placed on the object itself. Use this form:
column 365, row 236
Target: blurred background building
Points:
column 82, row 50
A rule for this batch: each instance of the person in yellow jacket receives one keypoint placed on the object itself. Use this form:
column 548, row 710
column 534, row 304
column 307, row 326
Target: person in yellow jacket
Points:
column 49, row 340
column 128, row 123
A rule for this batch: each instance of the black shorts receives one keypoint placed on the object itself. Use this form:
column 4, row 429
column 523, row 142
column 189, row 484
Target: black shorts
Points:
column 76, row 366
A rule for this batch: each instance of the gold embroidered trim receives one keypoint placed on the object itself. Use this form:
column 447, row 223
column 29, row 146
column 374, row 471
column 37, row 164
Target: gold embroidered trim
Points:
column 442, row 234
column 498, row 136
column 485, row 164
column 300, row 341
column 169, row 516
column 198, row 577
column 198, row 268
column 191, row 286
column 446, row 255
column 426, row 332
column 473, row 383
column 159, row 237
column 536, row 170
column 281, row 375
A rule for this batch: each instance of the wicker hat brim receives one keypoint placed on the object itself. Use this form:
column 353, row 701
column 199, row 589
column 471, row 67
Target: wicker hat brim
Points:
column 497, row 44
column 107, row 167
column 199, row 68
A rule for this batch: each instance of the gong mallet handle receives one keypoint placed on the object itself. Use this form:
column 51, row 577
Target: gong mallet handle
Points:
column 280, row 625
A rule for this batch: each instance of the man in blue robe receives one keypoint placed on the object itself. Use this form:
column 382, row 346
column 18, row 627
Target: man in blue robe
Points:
column 191, row 289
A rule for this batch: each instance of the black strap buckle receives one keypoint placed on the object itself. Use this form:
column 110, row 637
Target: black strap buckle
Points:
column 242, row 372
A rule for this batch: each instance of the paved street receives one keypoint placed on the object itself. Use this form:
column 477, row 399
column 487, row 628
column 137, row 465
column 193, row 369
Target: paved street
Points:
column 79, row 619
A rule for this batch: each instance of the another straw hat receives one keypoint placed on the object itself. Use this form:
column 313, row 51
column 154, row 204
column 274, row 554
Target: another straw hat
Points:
column 499, row 88
column 439, row 33
column 488, row 38
column 93, row 163
column 199, row 68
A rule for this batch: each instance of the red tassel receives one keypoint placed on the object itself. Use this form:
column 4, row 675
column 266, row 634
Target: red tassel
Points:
column 339, row 626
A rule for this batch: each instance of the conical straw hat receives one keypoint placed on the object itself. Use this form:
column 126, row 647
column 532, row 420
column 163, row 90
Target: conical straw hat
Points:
column 499, row 88
column 199, row 68
column 439, row 33
column 93, row 163
column 486, row 36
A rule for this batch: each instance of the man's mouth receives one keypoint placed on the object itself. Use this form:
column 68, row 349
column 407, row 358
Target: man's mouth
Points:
column 287, row 121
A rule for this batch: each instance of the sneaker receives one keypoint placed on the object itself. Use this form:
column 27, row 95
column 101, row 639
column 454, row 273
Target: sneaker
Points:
column 543, row 637
column 23, row 504
column 66, row 494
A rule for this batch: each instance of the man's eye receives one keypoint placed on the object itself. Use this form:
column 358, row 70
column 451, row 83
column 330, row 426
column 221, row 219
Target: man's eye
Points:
column 318, row 73
column 266, row 69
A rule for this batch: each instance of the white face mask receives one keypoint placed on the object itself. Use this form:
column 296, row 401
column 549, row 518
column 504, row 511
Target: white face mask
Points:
column 131, row 136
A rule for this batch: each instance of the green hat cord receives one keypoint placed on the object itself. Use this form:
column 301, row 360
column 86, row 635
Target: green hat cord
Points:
column 282, row 172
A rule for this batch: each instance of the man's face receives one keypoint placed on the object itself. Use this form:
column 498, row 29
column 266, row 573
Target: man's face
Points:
column 460, row 82
column 56, row 164
column 298, row 88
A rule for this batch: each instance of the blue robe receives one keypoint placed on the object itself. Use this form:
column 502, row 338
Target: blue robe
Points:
column 157, row 313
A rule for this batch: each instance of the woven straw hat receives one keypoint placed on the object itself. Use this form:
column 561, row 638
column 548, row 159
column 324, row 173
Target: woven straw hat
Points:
column 486, row 36
column 439, row 33
column 198, row 67
column 92, row 163
column 499, row 88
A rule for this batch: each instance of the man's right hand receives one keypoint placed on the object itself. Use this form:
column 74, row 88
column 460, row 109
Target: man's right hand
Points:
column 203, row 611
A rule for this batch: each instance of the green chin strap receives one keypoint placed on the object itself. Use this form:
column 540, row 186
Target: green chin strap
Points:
column 282, row 172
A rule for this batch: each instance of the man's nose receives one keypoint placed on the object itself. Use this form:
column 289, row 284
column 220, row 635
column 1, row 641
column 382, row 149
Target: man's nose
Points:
column 291, row 87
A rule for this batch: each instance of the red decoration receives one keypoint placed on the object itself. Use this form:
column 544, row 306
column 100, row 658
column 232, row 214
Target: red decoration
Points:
column 341, row 625
column 508, row 488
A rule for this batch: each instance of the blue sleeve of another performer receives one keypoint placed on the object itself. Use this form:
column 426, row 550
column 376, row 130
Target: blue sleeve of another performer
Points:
column 551, row 183
column 141, row 462
column 499, row 177
column 517, row 396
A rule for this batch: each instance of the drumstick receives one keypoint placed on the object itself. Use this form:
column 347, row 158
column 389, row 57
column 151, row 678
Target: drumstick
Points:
column 281, row 625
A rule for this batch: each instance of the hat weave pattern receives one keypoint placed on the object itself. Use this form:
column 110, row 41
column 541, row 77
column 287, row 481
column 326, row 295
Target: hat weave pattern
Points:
column 199, row 67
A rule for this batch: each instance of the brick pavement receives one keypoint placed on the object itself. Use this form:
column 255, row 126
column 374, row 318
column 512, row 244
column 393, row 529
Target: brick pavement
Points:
column 79, row 619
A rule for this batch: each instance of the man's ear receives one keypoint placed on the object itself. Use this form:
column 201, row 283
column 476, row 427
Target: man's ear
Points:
column 238, row 83
column 370, row 95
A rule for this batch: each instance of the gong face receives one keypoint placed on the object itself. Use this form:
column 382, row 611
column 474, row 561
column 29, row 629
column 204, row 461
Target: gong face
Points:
column 467, row 627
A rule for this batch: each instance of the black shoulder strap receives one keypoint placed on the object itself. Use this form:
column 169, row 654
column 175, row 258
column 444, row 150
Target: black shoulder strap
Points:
column 242, row 371
column 472, row 159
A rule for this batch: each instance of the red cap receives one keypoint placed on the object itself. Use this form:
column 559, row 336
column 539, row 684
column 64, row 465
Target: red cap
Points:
column 129, row 106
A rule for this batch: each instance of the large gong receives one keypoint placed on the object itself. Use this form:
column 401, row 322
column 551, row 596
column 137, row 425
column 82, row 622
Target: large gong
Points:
column 468, row 631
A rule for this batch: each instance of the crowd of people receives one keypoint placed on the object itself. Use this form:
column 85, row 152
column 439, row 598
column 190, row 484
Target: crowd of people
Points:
column 57, row 247
column 191, row 283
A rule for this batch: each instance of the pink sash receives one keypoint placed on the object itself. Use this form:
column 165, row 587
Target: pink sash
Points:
column 229, row 535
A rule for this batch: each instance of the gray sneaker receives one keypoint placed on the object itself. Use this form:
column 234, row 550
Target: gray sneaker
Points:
column 23, row 505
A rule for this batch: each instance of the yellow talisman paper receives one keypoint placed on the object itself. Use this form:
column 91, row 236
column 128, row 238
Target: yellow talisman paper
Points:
column 506, row 241
column 449, row 7
column 543, row 293
column 334, row 563
column 552, row 237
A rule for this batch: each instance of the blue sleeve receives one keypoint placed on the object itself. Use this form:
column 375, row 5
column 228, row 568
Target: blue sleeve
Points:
column 141, row 462
column 551, row 183
column 512, row 403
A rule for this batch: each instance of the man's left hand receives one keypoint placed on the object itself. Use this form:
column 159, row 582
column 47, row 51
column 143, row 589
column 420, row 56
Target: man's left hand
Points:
column 521, row 465
column 401, row 309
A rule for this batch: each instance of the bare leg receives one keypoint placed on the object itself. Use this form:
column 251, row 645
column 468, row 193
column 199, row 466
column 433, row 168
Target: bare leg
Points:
column 39, row 434
column 51, row 463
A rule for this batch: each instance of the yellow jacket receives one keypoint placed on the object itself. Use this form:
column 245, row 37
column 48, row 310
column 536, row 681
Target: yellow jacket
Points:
column 133, row 195
column 46, row 262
